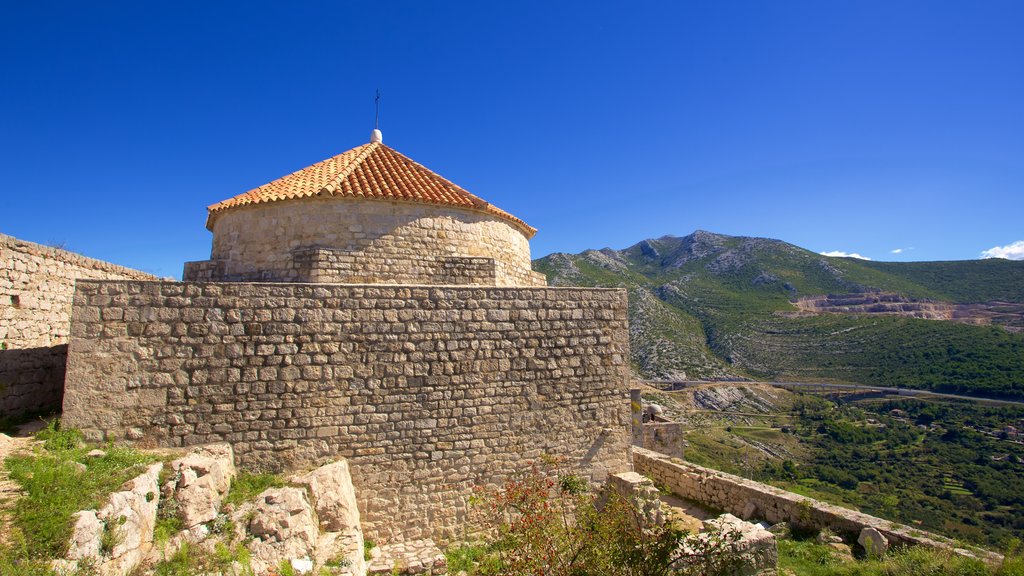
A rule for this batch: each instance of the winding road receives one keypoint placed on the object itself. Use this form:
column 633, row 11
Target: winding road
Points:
column 681, row 384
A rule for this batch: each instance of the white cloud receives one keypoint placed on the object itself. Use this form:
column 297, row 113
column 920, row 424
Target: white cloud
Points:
column 898, row 251
column 901, row 250
column 1014, row 251
column 841, row 254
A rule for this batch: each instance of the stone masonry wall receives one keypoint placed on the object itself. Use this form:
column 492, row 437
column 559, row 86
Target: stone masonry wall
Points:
column 427, row 391
column 330, row 266
column 753, row 500
column 371, row 241
column 665, row 437
column 36, row 287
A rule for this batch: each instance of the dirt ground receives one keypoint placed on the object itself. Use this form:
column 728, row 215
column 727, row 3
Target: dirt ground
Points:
column 9, row 492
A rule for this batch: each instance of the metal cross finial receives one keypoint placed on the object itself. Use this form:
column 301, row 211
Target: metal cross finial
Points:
column 376, row 115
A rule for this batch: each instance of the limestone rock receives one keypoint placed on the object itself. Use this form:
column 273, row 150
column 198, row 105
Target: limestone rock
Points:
column 333, row 496
column 284, row 527
column 202, row 480
column 334, row 546
column 85, row 535
column 873, row 541
column 754, row 545
column 302, row 565
column 132, row 514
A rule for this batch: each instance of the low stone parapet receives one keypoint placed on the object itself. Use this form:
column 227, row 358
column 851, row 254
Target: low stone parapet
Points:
column 749, row 499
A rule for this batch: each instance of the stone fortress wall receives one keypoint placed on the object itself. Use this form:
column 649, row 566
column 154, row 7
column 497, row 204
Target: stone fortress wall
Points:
column 428, row 391
column 343, row 240
column 36, row 287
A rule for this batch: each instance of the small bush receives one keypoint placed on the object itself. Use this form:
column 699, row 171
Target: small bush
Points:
column 58, row 439
column 540, row 523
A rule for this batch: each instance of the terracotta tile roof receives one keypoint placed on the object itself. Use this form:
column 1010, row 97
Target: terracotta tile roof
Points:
column 369, row 171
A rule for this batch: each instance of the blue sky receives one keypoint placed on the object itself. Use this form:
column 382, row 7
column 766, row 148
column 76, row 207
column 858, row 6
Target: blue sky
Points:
column 862, row 126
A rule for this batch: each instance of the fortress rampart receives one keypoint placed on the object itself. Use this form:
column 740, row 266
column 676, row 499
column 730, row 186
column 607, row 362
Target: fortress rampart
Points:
column 426, row 390
column 37, row 284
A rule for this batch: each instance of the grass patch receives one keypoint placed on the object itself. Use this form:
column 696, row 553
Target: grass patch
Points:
column 476, row 558
column 247, row 486
column 56, row 487
column 808, row 558
column 189, row 560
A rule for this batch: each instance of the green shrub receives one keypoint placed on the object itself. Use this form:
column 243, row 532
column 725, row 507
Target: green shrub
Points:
column 538, row 523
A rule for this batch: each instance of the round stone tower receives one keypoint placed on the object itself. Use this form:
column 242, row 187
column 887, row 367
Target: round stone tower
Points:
column 368, row 215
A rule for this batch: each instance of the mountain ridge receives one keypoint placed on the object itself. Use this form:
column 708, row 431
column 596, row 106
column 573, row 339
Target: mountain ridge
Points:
column 713, row 306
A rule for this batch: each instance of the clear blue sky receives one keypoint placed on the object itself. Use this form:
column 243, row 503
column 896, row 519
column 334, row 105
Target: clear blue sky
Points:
column 860, row 126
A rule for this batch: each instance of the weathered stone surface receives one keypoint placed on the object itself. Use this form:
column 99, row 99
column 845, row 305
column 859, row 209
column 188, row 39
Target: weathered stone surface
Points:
column 412, row 557
column 754, row 545
column 284, row 528
column 640, row 493
column 334, row 498
column 873, row 541
column 132, row 514
column 425, row 391
column 85, row 535
column 36, row 287
column 665, row 437
column 348, row 546
column 201, row 480
column 749, row 511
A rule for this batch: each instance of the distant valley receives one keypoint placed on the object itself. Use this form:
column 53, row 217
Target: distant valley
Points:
column 711, row 306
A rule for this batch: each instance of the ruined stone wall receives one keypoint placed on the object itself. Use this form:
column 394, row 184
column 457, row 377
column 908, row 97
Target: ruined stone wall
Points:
column 36, row 287
column 753, row 500
column 427, row 391
column 367, row 241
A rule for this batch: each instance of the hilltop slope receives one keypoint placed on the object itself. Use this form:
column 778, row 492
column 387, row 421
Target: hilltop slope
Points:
column 708, row 306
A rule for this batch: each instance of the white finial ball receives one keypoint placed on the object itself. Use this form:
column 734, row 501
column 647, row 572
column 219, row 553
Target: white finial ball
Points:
column 376, row 136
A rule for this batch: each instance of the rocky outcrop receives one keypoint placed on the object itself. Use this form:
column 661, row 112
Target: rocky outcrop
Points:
column 311, row 523
column 283, row 527
column 334, row 498
column 201, row 479
column 116, row 538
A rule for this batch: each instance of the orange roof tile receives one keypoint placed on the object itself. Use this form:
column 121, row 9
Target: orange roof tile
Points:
column 369, row 171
